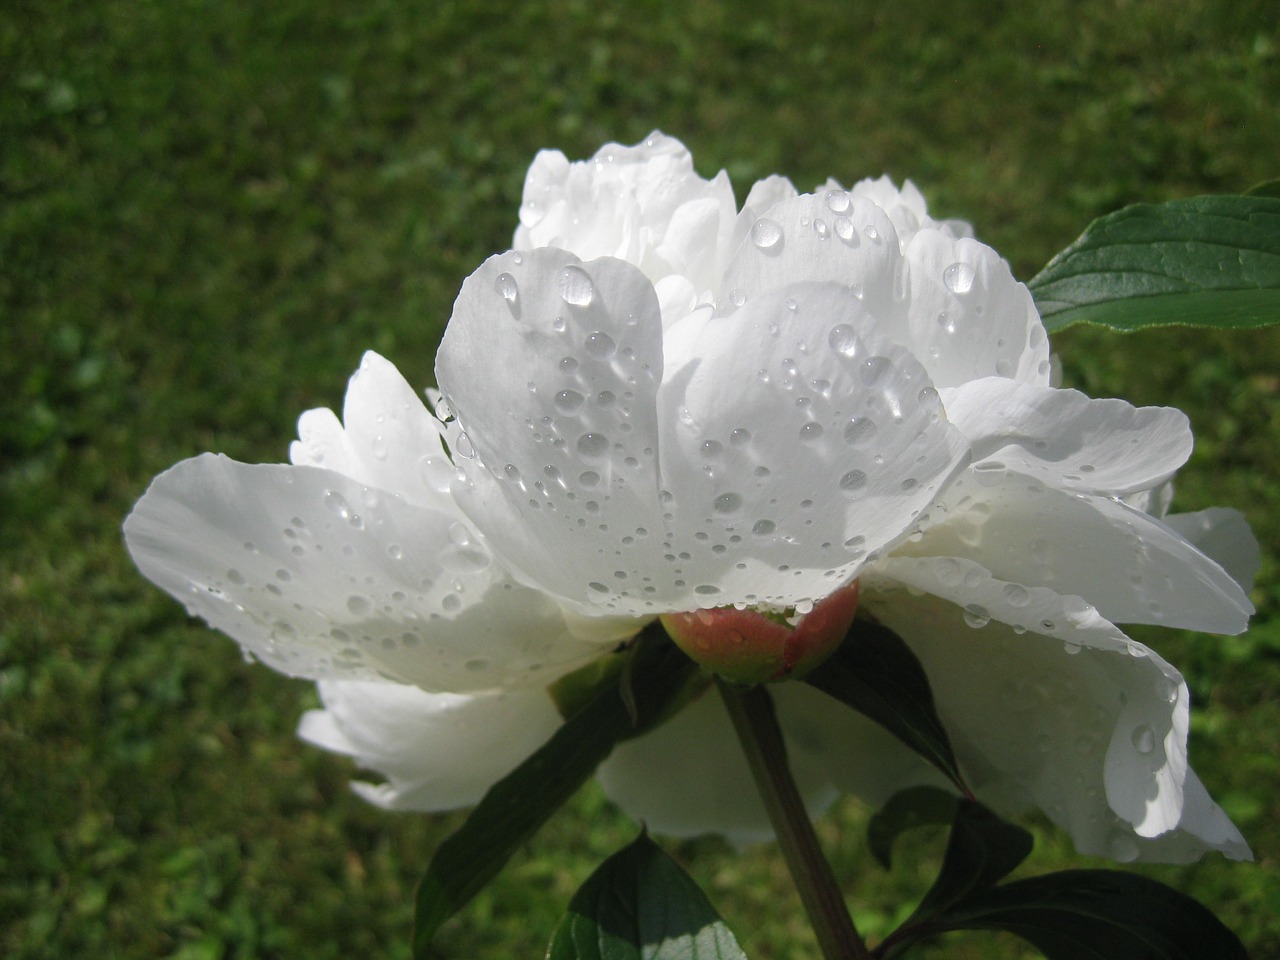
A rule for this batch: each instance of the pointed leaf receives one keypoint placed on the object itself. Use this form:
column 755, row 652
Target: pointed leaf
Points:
column 980, row 853
column 640, row 904
column 1268, row 188
column 1206, row 261
column 876, row 673
column 1086, row 915
column 905, row 810
column 661, row 678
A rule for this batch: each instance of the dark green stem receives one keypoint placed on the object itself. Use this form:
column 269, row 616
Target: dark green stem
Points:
column 751, row 710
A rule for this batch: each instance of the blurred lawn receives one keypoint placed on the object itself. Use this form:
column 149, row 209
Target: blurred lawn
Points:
column 209, row 209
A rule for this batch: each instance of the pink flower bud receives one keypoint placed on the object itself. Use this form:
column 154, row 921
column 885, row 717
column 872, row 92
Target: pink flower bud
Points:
column 749, row 647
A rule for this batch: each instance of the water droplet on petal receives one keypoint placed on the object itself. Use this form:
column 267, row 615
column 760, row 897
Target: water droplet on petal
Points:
column 763, row 528
column 597, row 592
column 1016, row 595
column 811, row 432
column 568, row 401
column 575, row 286
column 820, row 228
column 844, row 228
column 593, row 445
column 837, row 201
column 958, row 278
column 844, row 341
column 359, row 605
column 766, row 233
column 711, row 449
column 601, row 346
column 853, row 480
column 976, row 616
column 337, row 504
column 506, row 287
column 727, row 503
column 463, row 447
column 1144, row 739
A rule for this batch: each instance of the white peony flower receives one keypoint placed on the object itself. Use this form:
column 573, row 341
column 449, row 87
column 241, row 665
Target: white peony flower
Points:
column 661, row 404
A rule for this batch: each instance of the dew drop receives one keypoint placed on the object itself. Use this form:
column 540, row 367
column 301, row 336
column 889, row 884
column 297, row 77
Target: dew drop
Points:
column 763, row 528
column 844, row 228
column 811, row 432
column 337, row 504
column 740, row 437
column 976, row 616
column 597, row 592
column 727, row 503
column 820, row 228
column 568, row 401
column 575, row 286
column 844, row 341
column 593, row 445
column 600, row 346
column 871, row 232
column 589, row 478
column 506, row 287
column 1016, row 595
column 236, row 577
column 359, row 605
column 706, row 590
column 837, row 201
column 711, row 450
column 873, row 369
column 766, row 234
column 853, row 480
column 451, row 603
column 958, row 278
column 463, row 447
column 1144, row 739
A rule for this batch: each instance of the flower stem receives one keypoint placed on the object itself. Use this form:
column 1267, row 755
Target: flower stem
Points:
column 751, row 710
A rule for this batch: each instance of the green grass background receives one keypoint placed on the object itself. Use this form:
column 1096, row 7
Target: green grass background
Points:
column 209, row 209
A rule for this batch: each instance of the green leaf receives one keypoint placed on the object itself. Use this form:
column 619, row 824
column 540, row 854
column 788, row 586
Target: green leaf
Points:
column 875, row 673
column 906, row 810
column 1268, row 188
column 1086, row 915
column 661, row 678
column 981, row 852
column 1205, row 261
column 640, row 904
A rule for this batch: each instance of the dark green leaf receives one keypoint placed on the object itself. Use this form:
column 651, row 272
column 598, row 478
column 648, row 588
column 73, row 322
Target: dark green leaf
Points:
column 1268, row 188
column 641, row 904
column 1206, row 261
column 980, row 853
column 905, row 810
column 662, row 679
column 876, row 673
column 1086, row 915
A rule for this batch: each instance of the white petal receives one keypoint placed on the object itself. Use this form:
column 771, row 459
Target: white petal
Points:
column 320, row 576
column 969, row 317
column 555, row 389
column 804, row 238
column 689, row 777
column 1085, row 724
column 1067, row 439
column 1130, row 566
column 796, row 439
column 1224, row 536
column 906, row 208
column 388, row 440
column 637, row 203
column 438, row 751
column 1146, row 699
